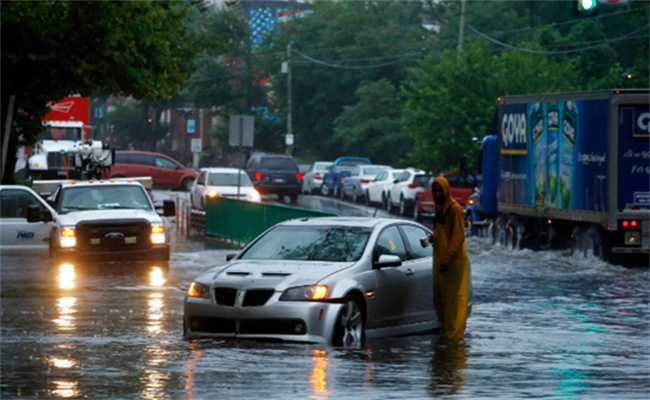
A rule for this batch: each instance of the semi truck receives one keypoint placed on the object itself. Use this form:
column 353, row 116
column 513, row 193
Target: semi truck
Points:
column 567, row 170
column 64, row 150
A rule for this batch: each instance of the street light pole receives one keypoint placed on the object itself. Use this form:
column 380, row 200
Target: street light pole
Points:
column 461, row 32
column 289, row 110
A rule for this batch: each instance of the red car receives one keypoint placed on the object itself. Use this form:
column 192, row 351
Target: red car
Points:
column 424, row 205
column 164, row 171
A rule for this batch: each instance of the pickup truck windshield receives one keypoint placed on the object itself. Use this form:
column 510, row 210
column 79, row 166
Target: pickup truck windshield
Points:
column 106, row 197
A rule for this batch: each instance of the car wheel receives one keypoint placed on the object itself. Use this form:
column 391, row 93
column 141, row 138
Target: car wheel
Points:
column 324, row 190
column 389, row 206
column 403, row 210
column 349, row 329
column 186, row 186
column 416, row 211
column 355, row 196
column 366, row 199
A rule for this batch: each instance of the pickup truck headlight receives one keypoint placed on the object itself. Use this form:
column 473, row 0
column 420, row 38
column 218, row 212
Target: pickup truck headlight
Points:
column 158, row 234
column 68, row 238
column 304, row 293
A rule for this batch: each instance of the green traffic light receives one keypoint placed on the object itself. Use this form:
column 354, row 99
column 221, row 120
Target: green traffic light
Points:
column 587, row 5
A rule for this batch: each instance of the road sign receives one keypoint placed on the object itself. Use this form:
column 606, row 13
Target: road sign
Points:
column 241, row 130
column 196, row 145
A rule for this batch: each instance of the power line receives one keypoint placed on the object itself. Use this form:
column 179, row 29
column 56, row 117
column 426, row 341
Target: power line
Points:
column 403, row 58
column 624, row 37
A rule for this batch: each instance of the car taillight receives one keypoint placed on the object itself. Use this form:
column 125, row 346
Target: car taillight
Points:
column 365, row 181
column 317, row 175
column 413, row 185
column 299, row 175
column 342, row 175
column 258, row 175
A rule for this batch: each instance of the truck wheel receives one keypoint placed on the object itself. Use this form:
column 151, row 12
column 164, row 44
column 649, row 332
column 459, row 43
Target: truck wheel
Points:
column 498, row 231
column 594, row 244
column 577, row 242
column 513, row 233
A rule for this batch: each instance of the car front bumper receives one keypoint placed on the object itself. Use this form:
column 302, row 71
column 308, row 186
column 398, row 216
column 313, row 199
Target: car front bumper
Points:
column 295, row 321
column 154, row 254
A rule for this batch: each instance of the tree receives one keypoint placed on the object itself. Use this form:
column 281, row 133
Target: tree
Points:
column 54, row 49
column 373, row 126
column 449, row 101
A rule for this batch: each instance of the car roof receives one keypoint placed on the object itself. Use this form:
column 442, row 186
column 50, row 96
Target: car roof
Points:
column 100, row 183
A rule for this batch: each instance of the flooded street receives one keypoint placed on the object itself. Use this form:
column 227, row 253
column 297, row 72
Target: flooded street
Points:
column 544, row 325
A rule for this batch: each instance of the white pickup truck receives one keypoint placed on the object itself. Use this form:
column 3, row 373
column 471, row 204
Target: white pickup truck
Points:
column 112, row 220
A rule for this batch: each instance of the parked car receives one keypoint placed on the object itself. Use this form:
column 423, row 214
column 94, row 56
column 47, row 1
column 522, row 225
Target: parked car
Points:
column 378, row 189
column 354, row 186
column 461, row 189
column 224, row 182
column 275, row 174
column 401, row 194
column 313, row 178
column 340, row 169
column 19, row 235
column 329, row 280
column 163, row 170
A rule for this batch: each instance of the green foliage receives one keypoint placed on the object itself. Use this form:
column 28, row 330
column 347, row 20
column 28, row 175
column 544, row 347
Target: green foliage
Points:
column 54, row 49
column 449, row 101
column 373, row 127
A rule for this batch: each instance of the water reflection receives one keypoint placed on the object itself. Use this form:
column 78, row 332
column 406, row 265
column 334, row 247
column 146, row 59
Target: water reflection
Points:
column 66, row 309
column 65, row 389
column 155, row 313
column 447, row 366
column 188, row 370
column 318, row 376
column 66, row 276
column 157, row 276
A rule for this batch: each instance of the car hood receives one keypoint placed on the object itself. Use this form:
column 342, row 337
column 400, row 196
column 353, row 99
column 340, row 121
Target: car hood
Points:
column 57, row 145
column 277, row 274
column 73, row 218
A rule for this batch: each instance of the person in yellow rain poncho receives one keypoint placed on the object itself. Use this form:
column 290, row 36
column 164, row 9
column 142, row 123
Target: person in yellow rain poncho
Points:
column 450, row 264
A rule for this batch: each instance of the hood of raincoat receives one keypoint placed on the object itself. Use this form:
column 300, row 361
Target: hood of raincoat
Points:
column 446, row 189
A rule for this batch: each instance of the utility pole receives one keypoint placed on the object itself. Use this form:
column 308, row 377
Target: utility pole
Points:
column 289, row 110
column 461, row 29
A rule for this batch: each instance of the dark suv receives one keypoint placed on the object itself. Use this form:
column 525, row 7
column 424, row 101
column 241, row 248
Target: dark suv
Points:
column 275, row 174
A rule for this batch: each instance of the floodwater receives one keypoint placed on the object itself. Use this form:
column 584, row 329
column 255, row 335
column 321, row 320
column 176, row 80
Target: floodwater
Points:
column 544, row 325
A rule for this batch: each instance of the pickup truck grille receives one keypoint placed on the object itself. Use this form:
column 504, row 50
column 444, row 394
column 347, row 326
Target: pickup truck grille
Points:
column 114, row 235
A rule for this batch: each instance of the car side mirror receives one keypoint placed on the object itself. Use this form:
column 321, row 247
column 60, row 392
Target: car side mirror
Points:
column 169, row 208
column 387, row 260
column 34, row 214
column 231, row 256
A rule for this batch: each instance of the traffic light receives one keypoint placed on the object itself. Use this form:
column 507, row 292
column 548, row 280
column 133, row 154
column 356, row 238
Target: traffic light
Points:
column 585, row 8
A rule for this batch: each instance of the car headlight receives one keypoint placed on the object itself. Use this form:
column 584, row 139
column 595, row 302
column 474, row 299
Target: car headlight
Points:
column 304, row 293
column 68, row 238
column 254, row 195
column 199, row 290
column 158, row 234
column 212, row 193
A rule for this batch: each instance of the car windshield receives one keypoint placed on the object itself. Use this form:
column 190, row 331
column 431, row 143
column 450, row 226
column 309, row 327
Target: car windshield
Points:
column 351, row 163
column 316, row 243
column 103, row 198
column 422, row 180
column 372, row 170
column 228, row 179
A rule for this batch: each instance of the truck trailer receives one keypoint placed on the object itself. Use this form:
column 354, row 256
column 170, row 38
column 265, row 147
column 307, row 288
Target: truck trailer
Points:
column 568, row 170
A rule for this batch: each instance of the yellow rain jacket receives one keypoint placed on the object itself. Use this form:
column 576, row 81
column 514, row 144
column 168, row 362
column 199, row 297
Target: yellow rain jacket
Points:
column 450, row 288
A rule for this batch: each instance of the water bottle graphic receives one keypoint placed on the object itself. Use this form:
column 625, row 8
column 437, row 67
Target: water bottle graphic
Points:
column 552, row 131
column 568, row 140
column 537, row 138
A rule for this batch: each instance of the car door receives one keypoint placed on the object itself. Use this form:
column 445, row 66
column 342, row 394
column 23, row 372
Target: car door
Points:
column 166, row 172
column 347, row 185
column 390, row 305
column 17, row 236
column 396, row 188
column 420, row 263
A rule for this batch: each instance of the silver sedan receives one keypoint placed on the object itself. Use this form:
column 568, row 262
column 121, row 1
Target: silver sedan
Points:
column 330, row 280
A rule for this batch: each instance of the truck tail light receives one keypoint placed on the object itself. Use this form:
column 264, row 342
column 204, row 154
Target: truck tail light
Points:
column 632, row 224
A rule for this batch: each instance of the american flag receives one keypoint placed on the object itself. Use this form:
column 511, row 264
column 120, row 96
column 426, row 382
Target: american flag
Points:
column 260, row 20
